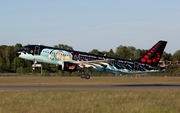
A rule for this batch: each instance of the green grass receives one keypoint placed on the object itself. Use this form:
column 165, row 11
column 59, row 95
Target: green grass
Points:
column 72, row 101
column 93, row 80
column 93, row 101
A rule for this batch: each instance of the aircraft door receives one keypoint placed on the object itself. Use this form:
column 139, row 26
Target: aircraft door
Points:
column 36, row 50
column 76, row 56
column 136, row 66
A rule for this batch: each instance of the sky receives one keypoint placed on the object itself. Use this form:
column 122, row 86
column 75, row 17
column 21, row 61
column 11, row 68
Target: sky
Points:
column 91, row 24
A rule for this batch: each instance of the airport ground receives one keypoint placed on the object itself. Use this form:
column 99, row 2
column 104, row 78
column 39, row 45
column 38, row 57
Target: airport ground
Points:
column 145, row 100
column 52, row 80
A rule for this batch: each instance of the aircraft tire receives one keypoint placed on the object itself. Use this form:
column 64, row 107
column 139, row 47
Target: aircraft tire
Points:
column 83, row 76
column 87, row 76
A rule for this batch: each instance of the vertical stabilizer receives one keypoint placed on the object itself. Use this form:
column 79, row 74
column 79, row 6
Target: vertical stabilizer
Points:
column 153, row 56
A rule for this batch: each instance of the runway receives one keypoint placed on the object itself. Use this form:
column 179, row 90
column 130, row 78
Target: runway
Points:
column 93, row 87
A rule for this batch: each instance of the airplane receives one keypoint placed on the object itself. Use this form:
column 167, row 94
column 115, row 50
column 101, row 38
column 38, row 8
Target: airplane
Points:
column 71, row 60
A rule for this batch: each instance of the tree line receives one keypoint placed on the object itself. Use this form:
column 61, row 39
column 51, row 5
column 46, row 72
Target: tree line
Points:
column 11, row 63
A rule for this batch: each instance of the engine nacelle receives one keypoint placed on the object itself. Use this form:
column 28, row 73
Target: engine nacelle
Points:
column 68, row 66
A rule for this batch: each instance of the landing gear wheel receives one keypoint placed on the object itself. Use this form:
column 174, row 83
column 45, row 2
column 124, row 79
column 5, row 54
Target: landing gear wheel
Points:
column 87, row 76
column 83, row 76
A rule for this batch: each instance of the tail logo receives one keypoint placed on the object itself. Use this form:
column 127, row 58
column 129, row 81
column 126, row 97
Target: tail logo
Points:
column 147, row 57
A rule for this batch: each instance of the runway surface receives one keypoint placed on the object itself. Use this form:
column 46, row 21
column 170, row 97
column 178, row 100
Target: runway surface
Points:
column 93, row 87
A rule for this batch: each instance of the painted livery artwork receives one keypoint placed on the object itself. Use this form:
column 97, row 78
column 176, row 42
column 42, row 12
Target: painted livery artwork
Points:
column 56, row 55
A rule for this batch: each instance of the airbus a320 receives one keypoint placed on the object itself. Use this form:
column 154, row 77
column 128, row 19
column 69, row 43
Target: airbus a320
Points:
column 71, row 60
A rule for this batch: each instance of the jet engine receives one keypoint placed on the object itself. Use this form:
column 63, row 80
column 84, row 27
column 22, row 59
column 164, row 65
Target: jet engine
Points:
column 67, row 66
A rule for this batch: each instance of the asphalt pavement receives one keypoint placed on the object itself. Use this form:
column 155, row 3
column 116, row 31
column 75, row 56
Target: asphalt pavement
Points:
column 93, row 87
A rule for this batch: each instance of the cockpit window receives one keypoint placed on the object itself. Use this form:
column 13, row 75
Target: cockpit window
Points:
column 26, row 48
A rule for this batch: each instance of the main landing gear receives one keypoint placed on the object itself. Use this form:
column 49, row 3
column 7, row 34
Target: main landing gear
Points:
column 34, row 65
column 84, row 75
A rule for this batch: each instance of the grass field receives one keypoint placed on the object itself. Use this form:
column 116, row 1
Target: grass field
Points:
column 93, row 80
column 92, row 101
column 67, row 101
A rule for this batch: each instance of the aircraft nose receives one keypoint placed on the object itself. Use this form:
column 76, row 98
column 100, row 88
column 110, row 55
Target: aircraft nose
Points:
column 19, row 51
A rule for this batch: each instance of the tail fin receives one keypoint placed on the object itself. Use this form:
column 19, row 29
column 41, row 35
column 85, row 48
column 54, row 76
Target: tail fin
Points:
column 153, row 56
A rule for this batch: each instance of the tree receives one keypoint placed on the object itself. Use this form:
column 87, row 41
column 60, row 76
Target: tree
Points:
column 166, row 56
column 9, row 62
column 17, row 46
column 94, row 51
column 176, row 55
column 137, row 54
column 124, row 52
column 111, row 53
column 64, row 46
column 7, row 55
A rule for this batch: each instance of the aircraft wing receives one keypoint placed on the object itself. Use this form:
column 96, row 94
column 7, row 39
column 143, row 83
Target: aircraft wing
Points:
column 94, row 63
